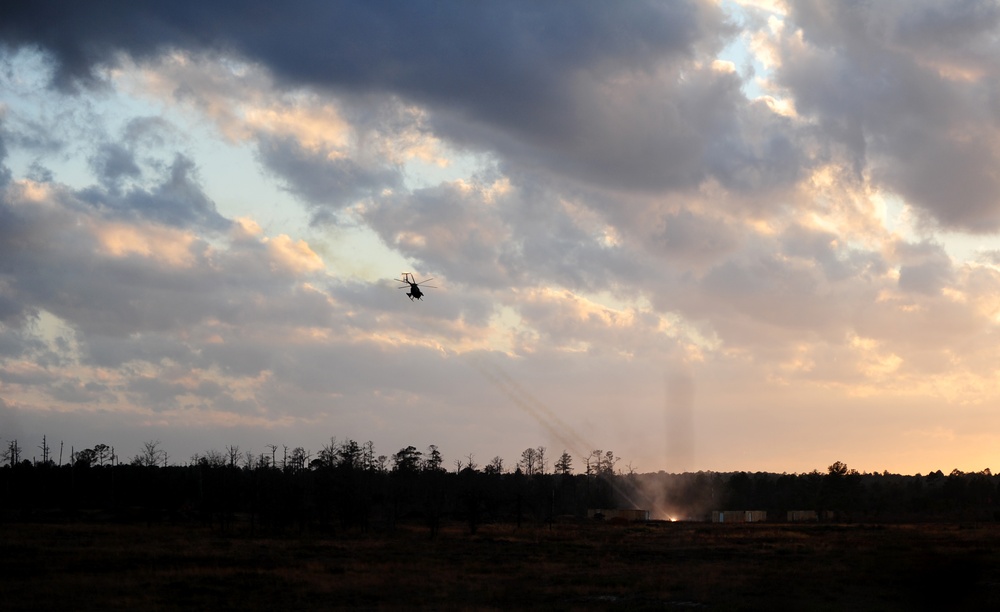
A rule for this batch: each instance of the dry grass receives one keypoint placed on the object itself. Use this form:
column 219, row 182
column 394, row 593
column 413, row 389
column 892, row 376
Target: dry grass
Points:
column 567, row 567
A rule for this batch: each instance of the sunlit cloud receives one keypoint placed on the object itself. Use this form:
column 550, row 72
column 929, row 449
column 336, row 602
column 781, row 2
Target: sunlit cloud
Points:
column 159, row 243
column 294, row 256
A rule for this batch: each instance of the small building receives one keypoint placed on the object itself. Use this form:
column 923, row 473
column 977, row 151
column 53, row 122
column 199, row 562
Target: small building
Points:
column 621, row 515
column 739, row 516
column 800, row 516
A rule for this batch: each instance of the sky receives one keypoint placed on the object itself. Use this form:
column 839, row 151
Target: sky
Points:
column 705, row 235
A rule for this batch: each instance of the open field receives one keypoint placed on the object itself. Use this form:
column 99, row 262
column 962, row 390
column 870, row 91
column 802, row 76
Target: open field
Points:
column 568, row 566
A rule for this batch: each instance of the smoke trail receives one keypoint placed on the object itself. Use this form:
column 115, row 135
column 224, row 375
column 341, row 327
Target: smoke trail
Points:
column 524, row 400
column 680, row 420
column 554, row 425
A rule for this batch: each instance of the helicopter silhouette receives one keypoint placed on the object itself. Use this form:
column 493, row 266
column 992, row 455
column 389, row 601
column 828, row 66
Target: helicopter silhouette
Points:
column 410, row 282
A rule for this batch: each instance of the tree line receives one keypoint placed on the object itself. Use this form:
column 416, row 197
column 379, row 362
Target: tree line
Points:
column 346, row 485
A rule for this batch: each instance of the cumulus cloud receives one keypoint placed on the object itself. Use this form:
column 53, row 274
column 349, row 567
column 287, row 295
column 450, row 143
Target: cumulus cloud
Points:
column 911, row 101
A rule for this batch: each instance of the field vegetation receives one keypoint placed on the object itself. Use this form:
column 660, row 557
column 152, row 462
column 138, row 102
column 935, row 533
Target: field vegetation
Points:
column 574, row 565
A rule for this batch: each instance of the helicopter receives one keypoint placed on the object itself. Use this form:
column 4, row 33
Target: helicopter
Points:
column 410, row 282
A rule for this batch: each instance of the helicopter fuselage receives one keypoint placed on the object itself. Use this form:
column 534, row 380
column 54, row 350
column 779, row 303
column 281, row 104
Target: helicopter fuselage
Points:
column 410, row 282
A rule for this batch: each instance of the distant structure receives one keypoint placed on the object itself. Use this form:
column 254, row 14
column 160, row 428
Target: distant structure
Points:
column 620, row 515
column 801, row 516
column 739, row 516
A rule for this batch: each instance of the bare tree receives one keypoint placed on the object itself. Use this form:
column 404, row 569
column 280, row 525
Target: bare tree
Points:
column 541, row 462
column 151, row 454
column 13, row 453
column 591, row 464
column 213, row 458
column 45, row 451
column 234, row 454
column 328, row 454
column 528, row 462
column 299, row 459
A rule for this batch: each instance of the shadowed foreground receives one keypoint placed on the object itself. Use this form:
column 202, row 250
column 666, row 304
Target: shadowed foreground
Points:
column 569, row 566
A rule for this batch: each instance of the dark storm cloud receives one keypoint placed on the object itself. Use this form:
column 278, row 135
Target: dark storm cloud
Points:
column 621, row 95
column 473, row 54
column 908, row 89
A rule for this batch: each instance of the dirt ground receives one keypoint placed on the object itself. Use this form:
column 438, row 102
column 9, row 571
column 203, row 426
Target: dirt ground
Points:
column 583, row 566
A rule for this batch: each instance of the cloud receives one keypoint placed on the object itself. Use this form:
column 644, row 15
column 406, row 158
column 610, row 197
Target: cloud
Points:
column 908, row 98
column 4, row 170
column 926, row 268
column 320, row 180
column 558, row 84
column 601, row 194
column 178, row 200
column 113, row 163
